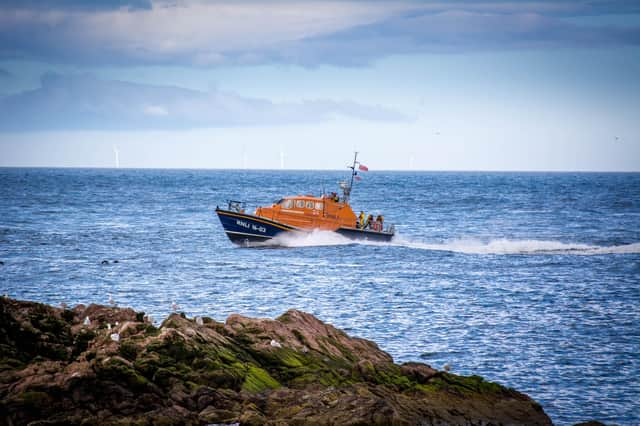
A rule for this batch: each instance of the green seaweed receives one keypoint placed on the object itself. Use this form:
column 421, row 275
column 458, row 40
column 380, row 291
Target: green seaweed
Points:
column 464, row 385
column 258, row 380
column 118, row 371
column 128, row 350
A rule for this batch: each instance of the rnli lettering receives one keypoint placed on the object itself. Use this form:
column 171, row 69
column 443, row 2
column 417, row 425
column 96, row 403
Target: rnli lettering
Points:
column 251, row 226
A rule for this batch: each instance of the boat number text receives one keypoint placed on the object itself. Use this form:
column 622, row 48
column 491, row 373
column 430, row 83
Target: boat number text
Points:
column 251, row 226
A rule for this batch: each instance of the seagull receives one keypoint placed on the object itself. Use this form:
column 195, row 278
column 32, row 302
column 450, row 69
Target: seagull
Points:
column 275, row 344
column 115, row 337
column 87, row 321
column 199, row 321
column 108, row 326
column 174, row 306
column 112, row 302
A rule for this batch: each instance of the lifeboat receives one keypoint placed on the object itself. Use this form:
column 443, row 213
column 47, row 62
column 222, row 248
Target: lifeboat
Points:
column 302, row 214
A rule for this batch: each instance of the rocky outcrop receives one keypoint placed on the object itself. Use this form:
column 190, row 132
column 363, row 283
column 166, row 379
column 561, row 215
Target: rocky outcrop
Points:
column 105, row 365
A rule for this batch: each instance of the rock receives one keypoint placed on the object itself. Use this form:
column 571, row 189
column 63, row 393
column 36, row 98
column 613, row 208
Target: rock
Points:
column 56, row 369
column 421, row 373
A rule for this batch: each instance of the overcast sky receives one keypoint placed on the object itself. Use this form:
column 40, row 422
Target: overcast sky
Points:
column 423, row 85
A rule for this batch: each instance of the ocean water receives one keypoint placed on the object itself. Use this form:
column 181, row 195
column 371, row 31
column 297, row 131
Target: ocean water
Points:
column 531, row 280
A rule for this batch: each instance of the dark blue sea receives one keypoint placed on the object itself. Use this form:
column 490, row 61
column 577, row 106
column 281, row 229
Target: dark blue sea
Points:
column 531, row 280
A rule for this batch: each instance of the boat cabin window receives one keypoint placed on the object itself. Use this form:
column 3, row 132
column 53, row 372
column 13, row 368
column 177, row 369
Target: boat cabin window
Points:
column 300, row 204
column 309, row 204
column 287, row 204
column 318, row 206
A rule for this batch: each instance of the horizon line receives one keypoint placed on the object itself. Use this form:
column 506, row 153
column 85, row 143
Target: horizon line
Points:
column 324, row 170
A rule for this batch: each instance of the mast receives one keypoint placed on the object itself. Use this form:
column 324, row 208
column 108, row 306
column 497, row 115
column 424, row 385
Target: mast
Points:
column 347, row 189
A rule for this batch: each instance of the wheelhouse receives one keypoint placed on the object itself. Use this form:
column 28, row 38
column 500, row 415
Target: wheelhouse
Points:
column 326, row 212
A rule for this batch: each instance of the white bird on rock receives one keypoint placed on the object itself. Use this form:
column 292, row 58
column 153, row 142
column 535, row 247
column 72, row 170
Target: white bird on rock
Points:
column 87, row 321
column 275, row 344
column 112, row 302
column 199, row 321
column 115, row 337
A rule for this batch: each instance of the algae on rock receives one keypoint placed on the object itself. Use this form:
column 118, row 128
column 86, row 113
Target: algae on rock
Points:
column 56, row 369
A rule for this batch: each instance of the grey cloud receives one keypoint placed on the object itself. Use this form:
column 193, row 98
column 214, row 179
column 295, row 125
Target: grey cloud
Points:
column 83, row 102
column 72, row 5
column 95, row 37
column 449, row 32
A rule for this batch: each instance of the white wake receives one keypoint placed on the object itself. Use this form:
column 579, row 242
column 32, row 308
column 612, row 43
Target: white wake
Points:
column 506, row 246
column 501, row 246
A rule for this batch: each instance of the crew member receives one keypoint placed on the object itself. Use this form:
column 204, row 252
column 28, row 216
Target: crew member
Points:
column 369, row 223
column 361, row 220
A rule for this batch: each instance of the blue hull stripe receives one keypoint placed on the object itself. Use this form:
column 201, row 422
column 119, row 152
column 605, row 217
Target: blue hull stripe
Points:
column 240, row 226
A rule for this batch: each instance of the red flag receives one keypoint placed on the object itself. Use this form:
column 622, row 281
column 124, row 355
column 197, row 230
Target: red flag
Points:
column 363, row 168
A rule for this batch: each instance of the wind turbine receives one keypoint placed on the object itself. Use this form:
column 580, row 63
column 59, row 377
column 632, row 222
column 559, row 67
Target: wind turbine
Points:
column 117, row 155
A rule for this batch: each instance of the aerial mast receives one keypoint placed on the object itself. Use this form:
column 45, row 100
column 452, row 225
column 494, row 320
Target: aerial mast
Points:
column 347, row 189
